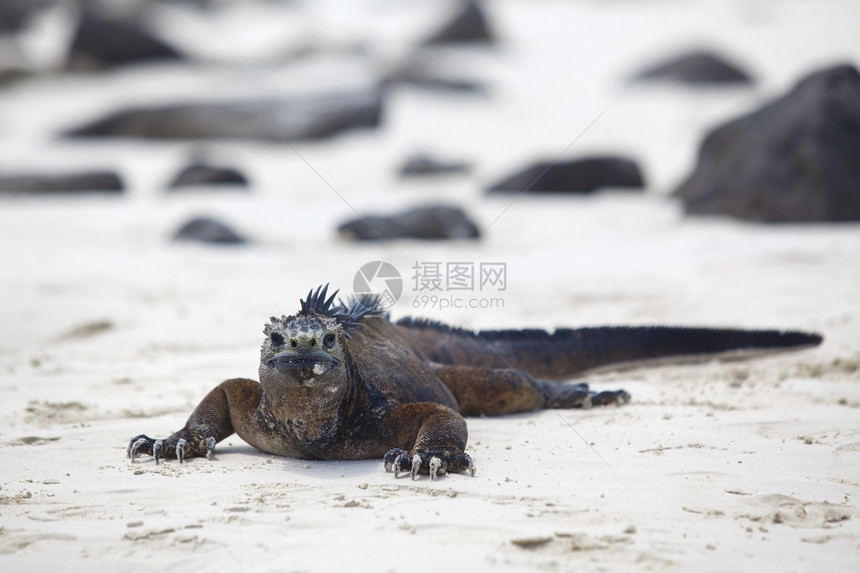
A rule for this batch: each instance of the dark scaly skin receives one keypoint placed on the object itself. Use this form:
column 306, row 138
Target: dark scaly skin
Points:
column 340, row 382
column 567, row 352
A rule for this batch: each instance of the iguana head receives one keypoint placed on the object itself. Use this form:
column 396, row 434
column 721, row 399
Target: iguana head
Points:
column 307, row 348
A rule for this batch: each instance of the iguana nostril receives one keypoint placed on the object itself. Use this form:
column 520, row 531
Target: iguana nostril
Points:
column 293, row 343
column 313, row 342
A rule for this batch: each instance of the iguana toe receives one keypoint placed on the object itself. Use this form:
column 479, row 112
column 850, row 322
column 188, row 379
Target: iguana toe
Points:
column 139, row 445
column 210, row 447
column 416, row 466
column 157, row 448
column 436, row 468
column 610, row 398
column 391, row 459
column 466, row 460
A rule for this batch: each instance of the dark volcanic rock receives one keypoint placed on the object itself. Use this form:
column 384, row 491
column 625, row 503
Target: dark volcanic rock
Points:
column 16, row 14
column 208, row 230
column 202, row 174
column 698, row 68
column 314, row 117
column 101, row 42
column 421, row 164
column 579, row 176
column 428, row 223
column 796, row 159
column 437, row 83
column 467, row 25
column 423, row 76
column 95, row 181
column 13, row 75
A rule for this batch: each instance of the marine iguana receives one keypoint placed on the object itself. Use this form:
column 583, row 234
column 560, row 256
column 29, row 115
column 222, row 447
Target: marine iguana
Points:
column 340, row 381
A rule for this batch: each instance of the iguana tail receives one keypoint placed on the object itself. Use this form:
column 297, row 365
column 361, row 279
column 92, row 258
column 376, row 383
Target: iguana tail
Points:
column 568, row 352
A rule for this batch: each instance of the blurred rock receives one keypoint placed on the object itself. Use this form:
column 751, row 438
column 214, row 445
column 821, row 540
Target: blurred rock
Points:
column 421, row 76
column 422, row 164
column 16, row 14
column 87, row 330
column 433, row 222
column 313, row 117
column 12, row 75
column 106, row 42
column 578, row 176
column 200, row 4
column 437, row 83
column 468, row 25
column 90, row 182
column 698, row 68
column 208, row 230
column 796, row 159
column 202, row 174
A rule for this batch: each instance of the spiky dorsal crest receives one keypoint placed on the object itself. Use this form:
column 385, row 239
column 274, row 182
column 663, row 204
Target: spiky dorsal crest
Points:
column 357, row 307
column 318, row 302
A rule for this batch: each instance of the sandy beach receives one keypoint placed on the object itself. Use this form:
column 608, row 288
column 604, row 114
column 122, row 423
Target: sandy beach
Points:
column 108, row 329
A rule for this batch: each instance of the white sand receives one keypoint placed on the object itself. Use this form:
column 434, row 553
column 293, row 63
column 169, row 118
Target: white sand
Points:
column 750, row 465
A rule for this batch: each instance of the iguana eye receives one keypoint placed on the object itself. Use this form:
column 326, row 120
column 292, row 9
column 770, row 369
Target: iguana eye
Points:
column 328, row 340
column 277, row 339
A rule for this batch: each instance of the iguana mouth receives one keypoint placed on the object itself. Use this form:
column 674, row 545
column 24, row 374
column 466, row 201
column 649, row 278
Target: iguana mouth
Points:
column 304, row 365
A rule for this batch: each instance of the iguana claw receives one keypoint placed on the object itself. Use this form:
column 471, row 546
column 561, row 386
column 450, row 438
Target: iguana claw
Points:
column 397, row 460
column 401, row 461
column 134, row 446
column 177, row 447
column 610, row 398
column 392, row 461
column 157, row 448
column 436, row 468
column 416, row 466
column 210, row 447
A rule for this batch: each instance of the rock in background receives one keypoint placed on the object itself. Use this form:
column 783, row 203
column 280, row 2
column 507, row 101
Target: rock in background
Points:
column 309, row 117
column 797, row 159
column 208, row 230
column 422, row 164
column 469, row 25
column 16, row 14
column 698, row 68
column 101, row 42
column 203, row 174
column 435, row 222
column 577, row 176
column 89, row 182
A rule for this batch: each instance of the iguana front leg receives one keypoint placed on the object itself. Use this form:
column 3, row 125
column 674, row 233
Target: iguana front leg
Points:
column 228, row 408
column 435, row 437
